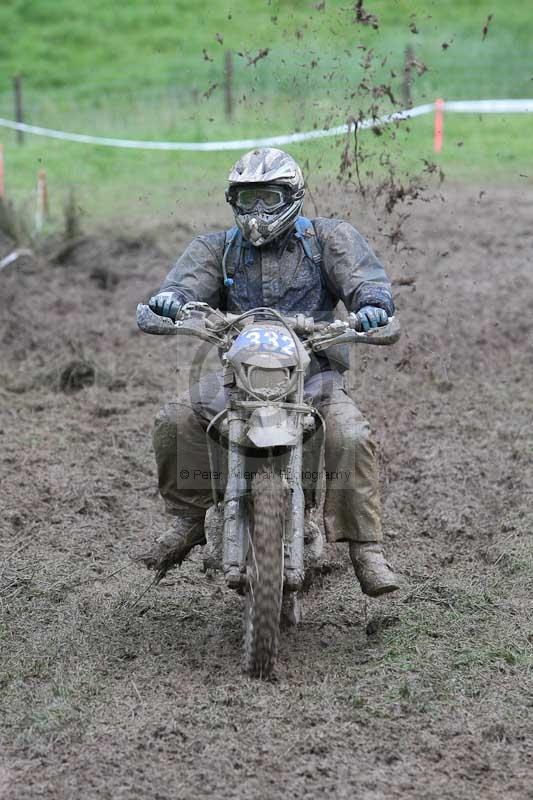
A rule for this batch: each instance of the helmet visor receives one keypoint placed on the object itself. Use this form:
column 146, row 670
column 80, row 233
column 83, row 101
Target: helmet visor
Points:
column 271, row 198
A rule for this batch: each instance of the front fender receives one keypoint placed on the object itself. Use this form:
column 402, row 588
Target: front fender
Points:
column 271, row 426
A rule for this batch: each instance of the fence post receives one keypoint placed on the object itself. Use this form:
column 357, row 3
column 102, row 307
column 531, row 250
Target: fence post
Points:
column 19, row 107
column 228, row 83
column 438, row 136
column 408, row 76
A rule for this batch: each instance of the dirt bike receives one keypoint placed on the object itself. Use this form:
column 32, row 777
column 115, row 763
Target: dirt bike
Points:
column 263, row 537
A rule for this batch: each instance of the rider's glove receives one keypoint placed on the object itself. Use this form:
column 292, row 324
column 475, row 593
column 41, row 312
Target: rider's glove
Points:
column 370, row 317
column 166, row 304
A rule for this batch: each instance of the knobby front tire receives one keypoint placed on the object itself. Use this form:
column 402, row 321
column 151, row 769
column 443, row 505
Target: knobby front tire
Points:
column 264, row 567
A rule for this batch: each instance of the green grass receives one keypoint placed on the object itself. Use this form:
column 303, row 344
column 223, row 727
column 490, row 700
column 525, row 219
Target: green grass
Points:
column 136, row 43
column 137, row 70
column 116, row 183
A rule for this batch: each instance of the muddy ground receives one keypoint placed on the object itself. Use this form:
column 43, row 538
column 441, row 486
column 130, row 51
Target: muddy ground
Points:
column 110, row 692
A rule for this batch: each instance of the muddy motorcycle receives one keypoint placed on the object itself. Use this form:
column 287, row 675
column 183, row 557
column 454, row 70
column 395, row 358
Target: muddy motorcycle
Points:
column 262, row 536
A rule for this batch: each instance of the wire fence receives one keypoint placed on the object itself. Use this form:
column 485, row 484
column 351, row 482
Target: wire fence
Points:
column 283, row 98
column 281, row 89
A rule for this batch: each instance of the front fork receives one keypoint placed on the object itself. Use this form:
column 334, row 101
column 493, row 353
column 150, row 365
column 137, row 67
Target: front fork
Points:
column 237, row 511
column 293, row 539
column 236, row 506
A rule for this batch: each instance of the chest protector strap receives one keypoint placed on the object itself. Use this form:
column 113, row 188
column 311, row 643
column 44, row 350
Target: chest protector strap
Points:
column 306, row 235
column 304, row 232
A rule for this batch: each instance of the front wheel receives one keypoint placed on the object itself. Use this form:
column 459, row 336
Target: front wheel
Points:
column 264, row 568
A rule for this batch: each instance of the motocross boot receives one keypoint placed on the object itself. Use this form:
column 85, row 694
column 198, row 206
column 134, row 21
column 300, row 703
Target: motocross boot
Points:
column 373, row 573
column 174, row 545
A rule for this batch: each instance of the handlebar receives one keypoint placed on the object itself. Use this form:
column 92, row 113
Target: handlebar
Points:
column 150, row 322
column 200, row 320
column 385, row 334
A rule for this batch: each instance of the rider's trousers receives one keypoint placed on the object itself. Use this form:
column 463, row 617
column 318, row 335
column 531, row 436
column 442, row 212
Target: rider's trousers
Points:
column 351, row 507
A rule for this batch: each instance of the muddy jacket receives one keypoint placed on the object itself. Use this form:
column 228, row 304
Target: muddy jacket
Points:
column 281, row 276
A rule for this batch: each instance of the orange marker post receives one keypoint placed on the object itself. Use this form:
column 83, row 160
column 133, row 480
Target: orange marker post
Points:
column 43, row 191
column 42, row 200
column 438, row 136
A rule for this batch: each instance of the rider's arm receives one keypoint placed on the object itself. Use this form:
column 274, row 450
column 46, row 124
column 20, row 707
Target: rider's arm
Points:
column 196, row 274
column 352, row 270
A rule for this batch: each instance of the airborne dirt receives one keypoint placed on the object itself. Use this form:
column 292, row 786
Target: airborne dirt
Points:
column 111, row 691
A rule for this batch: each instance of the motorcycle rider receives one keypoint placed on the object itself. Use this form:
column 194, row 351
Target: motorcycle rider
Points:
column 274, row 257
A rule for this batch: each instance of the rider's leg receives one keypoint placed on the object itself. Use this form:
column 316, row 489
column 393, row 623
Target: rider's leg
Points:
column 182, row 459
column 352, row 510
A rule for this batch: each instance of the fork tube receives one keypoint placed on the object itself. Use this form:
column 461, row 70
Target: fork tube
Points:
column 235, row 523
column 213, row 453
column 294, row 543
column 294, row 537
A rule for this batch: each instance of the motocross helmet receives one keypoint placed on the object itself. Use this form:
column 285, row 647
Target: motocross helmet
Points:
column 266, row 191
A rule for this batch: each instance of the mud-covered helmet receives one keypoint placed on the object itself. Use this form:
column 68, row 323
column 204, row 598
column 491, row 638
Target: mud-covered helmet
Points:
column 266, row 191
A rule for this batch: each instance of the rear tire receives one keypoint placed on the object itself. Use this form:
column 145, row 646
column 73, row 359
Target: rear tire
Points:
column 264, row 568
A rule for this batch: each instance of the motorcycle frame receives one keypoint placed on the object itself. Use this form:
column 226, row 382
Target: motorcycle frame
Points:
column 236, row 493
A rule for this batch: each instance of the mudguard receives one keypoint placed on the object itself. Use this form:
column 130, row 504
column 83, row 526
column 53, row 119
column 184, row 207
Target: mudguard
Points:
column 271, row 426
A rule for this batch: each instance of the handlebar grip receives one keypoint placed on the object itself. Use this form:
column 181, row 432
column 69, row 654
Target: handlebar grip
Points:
column 150, row 322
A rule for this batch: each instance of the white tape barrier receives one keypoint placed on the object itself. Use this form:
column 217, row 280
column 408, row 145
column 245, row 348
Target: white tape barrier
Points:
column 240, row 144
column 9, row 259
column 460, row 106
column 489, row 106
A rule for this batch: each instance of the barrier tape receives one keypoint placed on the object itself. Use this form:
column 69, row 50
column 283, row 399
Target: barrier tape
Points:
column 9, row 259
column 457, row 106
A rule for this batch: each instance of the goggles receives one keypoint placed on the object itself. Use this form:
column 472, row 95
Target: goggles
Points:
column 271, row 197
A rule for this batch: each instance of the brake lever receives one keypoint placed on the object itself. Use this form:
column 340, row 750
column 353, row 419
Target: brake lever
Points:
column 195, row 308
column 196, row 326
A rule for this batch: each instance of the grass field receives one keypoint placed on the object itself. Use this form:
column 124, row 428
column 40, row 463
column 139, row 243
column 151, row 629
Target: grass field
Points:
column 137, row 70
